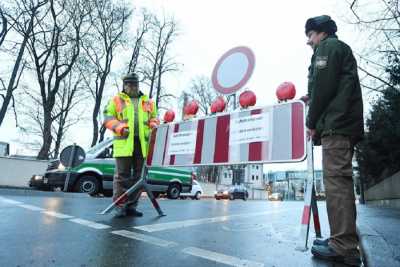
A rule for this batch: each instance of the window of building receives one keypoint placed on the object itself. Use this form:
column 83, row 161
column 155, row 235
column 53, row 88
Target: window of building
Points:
column 225, row 175
column 257, row 177
column 257, row 167
column 252, row 177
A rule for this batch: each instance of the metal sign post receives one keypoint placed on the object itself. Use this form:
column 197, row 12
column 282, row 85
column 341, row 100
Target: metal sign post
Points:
column 70, row 157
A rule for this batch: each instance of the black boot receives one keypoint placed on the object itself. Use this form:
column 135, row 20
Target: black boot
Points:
column 328, row 253
column 321, row 242
column 131, row 211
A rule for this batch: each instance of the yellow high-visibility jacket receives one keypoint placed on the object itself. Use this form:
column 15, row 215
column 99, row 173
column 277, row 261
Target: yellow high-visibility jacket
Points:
column 119, row 114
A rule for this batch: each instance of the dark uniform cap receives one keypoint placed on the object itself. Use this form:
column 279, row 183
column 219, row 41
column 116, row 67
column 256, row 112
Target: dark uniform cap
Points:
column 131, row 77
column 322, row 23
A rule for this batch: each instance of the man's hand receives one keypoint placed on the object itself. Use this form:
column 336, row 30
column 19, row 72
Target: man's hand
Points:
column 305, row 99
column 125, row 132
column 154, row 122
column 311, row 133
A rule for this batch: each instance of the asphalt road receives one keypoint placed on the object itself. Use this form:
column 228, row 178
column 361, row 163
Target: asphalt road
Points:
column 65, row 230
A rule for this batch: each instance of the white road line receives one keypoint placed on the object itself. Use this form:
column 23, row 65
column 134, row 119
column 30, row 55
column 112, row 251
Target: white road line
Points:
column 186, row 223
column 57, row 215
column 221, row 258
column 91, row 224
column 10, row 201
column 145, row 238
column 30, row 207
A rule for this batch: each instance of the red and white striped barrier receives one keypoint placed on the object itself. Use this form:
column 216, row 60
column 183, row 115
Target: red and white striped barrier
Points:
column 259, row 135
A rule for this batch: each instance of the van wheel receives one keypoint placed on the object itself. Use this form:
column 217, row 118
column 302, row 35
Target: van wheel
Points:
column 88, row 184
column 173, row 191
column 197, row 196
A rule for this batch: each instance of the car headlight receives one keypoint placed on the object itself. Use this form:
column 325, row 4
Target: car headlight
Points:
column 61, row 167
column 226, row 192
column 38, row 177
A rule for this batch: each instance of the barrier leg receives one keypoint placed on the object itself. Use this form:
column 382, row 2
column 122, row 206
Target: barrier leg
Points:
column 153, row 200
column 141, row 184
column 308, row 196
column 314, row 208
column 138, row 185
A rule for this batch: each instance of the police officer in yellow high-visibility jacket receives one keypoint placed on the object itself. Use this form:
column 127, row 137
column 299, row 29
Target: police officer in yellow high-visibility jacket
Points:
column 130, row 115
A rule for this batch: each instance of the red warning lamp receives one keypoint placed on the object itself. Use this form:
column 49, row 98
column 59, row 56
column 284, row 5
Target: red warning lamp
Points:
column 247, row 99
column 169, row 116
column 191, row 108
column 286, row 91
column 218, row 105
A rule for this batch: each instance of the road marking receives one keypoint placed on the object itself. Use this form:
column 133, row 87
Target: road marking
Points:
column 221, row 258
column 186, row 223
column 10, row 201
column 90, row 224
column 57, row 215
column 30, row 207
column 145, row 238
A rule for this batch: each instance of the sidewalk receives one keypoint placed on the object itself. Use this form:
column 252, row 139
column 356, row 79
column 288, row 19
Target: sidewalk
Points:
column 379, row 231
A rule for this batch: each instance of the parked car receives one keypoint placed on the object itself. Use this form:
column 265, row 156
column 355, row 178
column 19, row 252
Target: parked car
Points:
column 238, row 193
column 232, row 193
column 221, row 194
column 95, row 175
column 275, row 197
column 195, row 193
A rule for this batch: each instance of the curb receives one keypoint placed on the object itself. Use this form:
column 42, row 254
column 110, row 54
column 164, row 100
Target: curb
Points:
column 375, row 251
column 27, row 191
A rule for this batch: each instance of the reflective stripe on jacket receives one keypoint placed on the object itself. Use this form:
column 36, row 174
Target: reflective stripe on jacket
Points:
column 119, row 114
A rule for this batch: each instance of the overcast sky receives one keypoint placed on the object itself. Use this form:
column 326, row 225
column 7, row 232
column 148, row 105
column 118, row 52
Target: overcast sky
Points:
column 274, row 30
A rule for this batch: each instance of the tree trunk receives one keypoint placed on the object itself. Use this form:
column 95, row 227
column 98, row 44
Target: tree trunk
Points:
column 97, row 105
column 95, row 127
column 60, row 133
column 102, row 132
column 47, row 138
column 14, row 73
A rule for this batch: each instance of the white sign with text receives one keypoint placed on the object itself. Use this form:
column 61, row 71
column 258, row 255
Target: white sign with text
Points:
column 182, row 143
column 249, row 129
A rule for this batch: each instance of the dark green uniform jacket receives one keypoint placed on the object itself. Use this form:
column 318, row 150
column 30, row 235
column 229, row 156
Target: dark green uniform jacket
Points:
column 336, row 105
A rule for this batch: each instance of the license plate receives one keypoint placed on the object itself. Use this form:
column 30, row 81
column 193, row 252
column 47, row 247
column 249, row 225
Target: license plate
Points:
column 45, row 180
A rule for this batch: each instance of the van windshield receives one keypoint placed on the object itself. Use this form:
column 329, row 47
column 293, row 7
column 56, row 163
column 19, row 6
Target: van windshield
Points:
column 97, row 148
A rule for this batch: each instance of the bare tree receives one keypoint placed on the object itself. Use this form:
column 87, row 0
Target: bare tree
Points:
column 201, row 90
column 54, row 47
column 71, row 94
column 4, row 26
column 382, row 28
column 158, row 60
column 139, row 40
column 109, row 22
column 22, row 21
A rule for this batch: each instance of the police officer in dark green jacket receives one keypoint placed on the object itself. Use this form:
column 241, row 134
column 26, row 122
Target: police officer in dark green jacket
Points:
column 335, row 119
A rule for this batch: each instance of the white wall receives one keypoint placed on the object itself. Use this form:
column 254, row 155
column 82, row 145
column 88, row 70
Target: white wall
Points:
column 18, row 171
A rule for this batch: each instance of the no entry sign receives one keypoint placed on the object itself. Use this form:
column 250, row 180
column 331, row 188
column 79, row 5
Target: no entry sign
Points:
column 260, row 135
column 233, row 70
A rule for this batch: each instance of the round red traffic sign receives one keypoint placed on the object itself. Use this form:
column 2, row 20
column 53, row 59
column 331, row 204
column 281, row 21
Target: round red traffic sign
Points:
column 233, row 70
